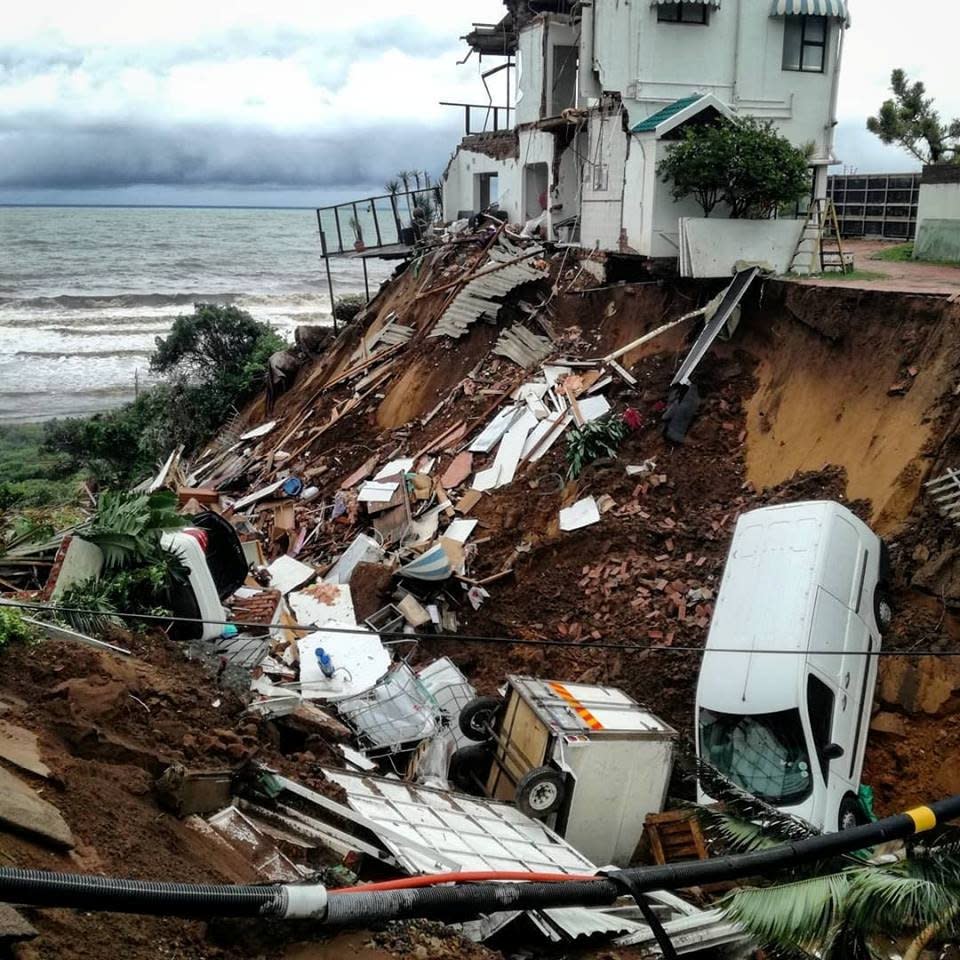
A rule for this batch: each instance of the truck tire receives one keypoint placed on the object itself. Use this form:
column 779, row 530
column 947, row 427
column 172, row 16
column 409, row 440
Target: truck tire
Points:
column 478, row 718
column 540, row 792
column 851, row 813
column 469, row 768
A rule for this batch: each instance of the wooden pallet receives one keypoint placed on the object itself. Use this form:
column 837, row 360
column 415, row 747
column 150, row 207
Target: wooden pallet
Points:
column 675, row 836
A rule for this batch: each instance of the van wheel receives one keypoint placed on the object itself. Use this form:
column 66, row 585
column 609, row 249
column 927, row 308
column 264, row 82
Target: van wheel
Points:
column 882, row 609
column 478, row 718
column 540, row 792
column 851, row 813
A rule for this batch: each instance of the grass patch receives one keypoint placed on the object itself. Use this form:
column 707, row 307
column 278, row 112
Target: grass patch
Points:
column 849, row 275
column 900, row 253
column 29, row 475
column 903, row 253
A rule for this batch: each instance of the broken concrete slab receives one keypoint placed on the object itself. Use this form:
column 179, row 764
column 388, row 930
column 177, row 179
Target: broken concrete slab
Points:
column 468, row 501
column 287, row 574
column 19, row 747
column 24, row 811
column 889, row 723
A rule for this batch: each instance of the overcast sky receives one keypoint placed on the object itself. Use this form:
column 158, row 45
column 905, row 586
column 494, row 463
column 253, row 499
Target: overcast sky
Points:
column 289, row 102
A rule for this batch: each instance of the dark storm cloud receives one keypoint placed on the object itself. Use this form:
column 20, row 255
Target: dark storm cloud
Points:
column 38, row 157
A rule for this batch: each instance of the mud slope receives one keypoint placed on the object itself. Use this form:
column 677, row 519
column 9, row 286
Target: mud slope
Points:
column 852, row 379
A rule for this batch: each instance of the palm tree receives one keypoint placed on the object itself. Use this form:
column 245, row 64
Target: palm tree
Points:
column 841, row 908
column 405, row 176
column 392, row 187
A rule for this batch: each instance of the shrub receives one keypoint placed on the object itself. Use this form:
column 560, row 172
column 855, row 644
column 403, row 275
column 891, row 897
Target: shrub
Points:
column 743, row 163
column 601, row 438
column 13, row 628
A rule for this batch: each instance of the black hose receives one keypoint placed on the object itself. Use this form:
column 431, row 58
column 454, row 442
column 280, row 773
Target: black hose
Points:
column 451, row 903
column 38, row 888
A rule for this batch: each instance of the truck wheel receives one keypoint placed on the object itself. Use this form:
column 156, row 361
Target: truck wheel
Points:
column 478, row 718
column 851, row 813
column 882, row 609
column 469, row 768
column 540, row 792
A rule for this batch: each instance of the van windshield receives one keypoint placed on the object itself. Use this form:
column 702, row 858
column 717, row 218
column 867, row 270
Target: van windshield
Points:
column 764, row 753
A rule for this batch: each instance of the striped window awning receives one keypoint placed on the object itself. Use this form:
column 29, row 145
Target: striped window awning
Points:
column 709, row 3
column 813, row 8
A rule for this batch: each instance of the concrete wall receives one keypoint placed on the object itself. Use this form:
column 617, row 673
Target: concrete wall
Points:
column 460, row 188
column 938, row 201
column 603, row 182
column 714, row 246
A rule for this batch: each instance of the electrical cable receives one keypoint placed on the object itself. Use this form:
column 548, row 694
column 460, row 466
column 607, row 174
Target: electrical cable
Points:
column 501, row 641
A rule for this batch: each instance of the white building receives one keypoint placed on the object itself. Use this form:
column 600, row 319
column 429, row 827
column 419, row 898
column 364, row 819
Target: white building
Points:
column 601, row 88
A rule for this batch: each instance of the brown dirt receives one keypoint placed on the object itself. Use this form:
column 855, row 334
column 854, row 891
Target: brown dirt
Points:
column 796, row 406
column 825, row 399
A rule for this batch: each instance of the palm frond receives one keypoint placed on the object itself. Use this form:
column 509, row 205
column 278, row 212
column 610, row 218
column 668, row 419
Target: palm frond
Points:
column 736, row 834
column 792, row 919
column 740, row 804
column 893, row 900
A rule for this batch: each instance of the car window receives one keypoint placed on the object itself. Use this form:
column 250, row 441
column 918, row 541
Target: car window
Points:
column 765, row 753
column 820, row 701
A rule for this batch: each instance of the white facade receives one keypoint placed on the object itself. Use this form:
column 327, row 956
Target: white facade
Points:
column 585, row 80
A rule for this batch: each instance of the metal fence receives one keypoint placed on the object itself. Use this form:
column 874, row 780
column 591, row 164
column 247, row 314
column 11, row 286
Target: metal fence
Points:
column 876, row 204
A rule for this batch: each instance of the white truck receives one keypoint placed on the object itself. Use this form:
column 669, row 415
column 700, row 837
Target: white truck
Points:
column 788, row 675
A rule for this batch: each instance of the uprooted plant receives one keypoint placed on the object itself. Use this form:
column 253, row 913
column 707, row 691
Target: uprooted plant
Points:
column 600, row 438
column 139, row 573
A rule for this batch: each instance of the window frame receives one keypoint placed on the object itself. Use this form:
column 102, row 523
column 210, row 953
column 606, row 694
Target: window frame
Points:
column 677, row 7
column 821, row 45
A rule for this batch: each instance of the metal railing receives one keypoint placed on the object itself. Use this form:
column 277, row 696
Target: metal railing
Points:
column 376, row 222
column 491, row 116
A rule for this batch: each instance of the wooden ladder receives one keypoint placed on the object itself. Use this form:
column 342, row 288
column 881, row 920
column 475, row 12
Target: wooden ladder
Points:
column 820, row 243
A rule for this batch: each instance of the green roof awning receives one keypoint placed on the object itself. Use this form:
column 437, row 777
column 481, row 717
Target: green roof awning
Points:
column 651, row 123
column 810, row 8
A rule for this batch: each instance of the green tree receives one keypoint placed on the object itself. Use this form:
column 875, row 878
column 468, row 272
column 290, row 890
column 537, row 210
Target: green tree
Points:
column 909, row 120
column 743, row 163
column 213, row 362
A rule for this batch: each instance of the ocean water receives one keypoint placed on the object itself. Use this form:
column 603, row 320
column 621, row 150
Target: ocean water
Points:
column 84, row 292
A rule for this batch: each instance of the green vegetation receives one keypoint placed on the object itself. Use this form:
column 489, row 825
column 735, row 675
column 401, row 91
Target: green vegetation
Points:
column 903, row 253
column 601, row 438
column 744, row 164
column 139, row 572
column 32, row 476
column 213, row 361
column 13, row 628
column 909, row 120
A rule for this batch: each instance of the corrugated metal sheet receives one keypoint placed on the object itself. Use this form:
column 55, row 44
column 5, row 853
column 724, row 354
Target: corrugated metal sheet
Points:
column 476, row 834
column 815, row 8
column 522, row 346
column 671, row 109
column 483, row 296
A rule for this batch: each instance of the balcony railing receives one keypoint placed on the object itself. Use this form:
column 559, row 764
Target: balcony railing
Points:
column 375, row 223
column 494, row 118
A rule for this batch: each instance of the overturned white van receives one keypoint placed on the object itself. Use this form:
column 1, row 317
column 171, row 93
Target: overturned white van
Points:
column 787, row 679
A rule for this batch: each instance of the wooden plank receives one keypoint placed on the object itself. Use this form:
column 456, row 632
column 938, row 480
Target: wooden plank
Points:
column 522, row 749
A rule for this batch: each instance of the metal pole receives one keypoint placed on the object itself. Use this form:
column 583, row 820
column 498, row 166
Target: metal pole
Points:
column 326, row 262
column 366, row 282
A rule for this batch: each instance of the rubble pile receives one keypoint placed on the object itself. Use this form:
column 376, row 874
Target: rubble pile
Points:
column 417, row 522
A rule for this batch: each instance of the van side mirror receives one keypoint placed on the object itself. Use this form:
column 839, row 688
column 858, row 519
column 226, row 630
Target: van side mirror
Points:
column 832, row 751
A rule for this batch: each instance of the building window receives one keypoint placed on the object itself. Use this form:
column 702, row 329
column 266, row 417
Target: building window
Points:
column 805, row 43
column 682, row 12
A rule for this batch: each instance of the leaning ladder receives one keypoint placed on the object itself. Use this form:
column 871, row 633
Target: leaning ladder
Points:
column 820, row 247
